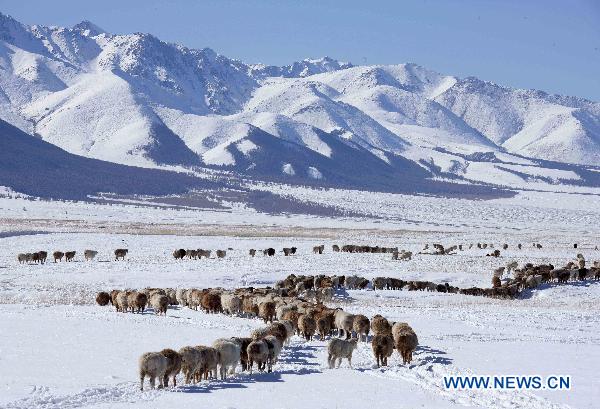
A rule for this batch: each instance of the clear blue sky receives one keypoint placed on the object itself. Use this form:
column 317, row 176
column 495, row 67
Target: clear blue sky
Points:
column 550, row 45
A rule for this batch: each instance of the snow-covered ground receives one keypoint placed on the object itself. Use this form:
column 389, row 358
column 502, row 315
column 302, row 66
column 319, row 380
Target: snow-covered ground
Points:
column 60, row 350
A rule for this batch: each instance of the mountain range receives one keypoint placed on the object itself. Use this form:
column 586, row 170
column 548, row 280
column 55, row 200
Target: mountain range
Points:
column 138, row 101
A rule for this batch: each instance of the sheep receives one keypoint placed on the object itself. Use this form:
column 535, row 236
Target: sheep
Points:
column 380, row 325
column 229, row 355
column 181, row 296
column 381, row 283
column 154, row 365
column 173, row 365
column 323, row 327
column 102, row 298
column 191, row 359
column 338, row 349
column 307, row 326
column 266, row 310
column 343, row 323
column 211, row 302
column 280, row 331
column 70, row 255
column 231, row 304
column 252, row 252
column 122, row 305
column 179, row 254
column 324, row 294
column 289, row 330
column 258, row 351
column 275, row 345
column 405, row 340
column 121, row 253
column 383, row 346
column 209, row 359
column 137, row 301
column 335, row 248
column 243, row 344
column 58, row 255
column 361, row 325
column 89, row 254
column 496, row 283
column 249, row 306
column 159, row 303
column 22, row 257
column 319, row 249
column 203, row 253
column 287, row 251
column 269, row 252
column 221, row 253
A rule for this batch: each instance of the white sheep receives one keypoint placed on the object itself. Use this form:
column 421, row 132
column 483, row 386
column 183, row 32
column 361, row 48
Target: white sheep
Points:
column 90, row 254
column 338, row 349
column 231, row 304
column 228, row 353
column 191, row 360
column 153, row 365
column 159, row 303
column 343, row 322
column 181, row 296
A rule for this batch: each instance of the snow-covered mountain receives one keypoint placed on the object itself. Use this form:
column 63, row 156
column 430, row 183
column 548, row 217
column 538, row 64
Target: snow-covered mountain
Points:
column 136, row 100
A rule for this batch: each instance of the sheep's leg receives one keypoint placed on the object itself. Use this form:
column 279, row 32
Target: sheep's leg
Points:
column 142, row 376
column 350, row 362
column 152, row 379
column 339, row 362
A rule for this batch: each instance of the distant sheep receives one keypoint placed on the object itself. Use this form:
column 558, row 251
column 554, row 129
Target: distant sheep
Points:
column 136, row 301
column 319, row 249
column 266, row 311
column 159, row 303
column 70, row 255
column 89, row 254
column 191, row 360
column 179, row 254
column 252, row 252
column 231, row 304
column 338, row 349
column 120, row 254
column 153, row 365
column 221, row 253
column 58, row 255
column 102, row 298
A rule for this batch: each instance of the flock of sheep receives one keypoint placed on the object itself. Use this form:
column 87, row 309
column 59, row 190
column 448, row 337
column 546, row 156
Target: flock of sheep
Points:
column 41, row 256
column 285, row 315
column 296, row 306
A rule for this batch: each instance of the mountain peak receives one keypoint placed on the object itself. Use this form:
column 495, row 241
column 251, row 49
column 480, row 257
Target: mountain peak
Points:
column 88, row 28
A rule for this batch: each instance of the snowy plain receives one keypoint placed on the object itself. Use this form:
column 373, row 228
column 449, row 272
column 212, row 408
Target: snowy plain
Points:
column 60, row 350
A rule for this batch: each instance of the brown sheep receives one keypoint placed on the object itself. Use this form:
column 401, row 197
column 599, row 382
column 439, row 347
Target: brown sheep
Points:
column 252, row 252
column 221, row 253
column 496, row 283
column 137, row 301
column 307, row 326
column 70, row 255
column 173, row 365
column 211, row 302
column 249, row 306
column 243, row 343
column 380, row 325
column 279, row 331
column 210, row 359
column 103, row 298
column 361, row 325
column 266, row 310
column 405, row 341
column 43, row 256
column 383, row 346
column 292, row 316
column 179, row 254
column 121, row 253
column 323, row 327
column 319, row 249
column 113, row 297
column 58, row 255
